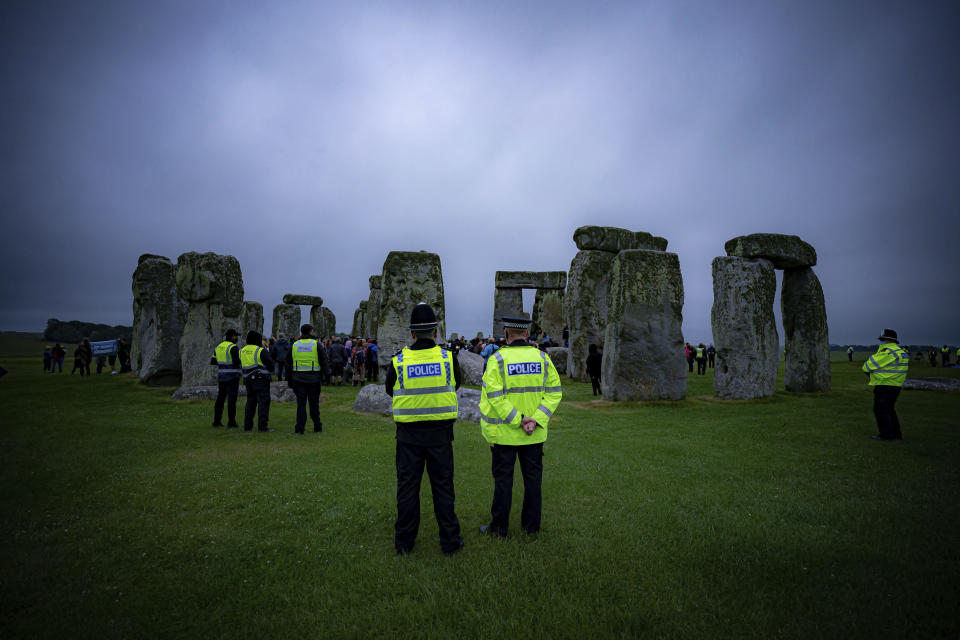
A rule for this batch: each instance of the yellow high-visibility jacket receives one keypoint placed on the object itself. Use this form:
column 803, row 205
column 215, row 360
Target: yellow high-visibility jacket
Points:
column 888, row 366
column 519, row 381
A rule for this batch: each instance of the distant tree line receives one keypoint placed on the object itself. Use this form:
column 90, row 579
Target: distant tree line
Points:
column 74, row 331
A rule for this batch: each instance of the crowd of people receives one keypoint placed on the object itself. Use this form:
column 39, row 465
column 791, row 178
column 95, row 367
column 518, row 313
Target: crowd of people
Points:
column 54, row 357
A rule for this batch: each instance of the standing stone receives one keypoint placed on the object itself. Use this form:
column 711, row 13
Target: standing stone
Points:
column 506, row 302
column 744, row 328
column 213, row 285
column 373, row 307
column 359, row 319
column 471, row 367
column 286, row 320
column 158, row 316
column 409, row 277
column 548, row 313
column 585, row 307
column 804, row 315
column 329, row 321
column 251, row 318
column 323, row 321
column 643, row 340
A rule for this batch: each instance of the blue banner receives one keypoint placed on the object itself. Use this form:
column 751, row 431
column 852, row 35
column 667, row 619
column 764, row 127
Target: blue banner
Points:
column 104, row 348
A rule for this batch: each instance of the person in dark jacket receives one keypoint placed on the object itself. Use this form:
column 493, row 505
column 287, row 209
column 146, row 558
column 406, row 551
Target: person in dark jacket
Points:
column 59, row 354
column 306, row 362
column 594, row 361
column 82, row 357
column 372, row 357
column 282, row 357
column 123, row 354
column 424, row 442
column 338, row 357
column 257, row 365
column 47, row 359
column 227, row 358
column 711, row 355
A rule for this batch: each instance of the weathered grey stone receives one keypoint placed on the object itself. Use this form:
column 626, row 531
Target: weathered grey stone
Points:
column 744, row 328
column 585, row 307
column 373, row 307
column 506, row 302
column 932, row 384
column 279, row 392
column 548, row 313
column 559, row 357
column 323, row 321
column 251, row 318
column 158, row 316
column 359, row 319
column 453, row 336
column 286, row 320
column 531, row 279
column 296, row 298
column 213, row 284
column 211, row 278
column 783, row 251
column 471, row 367
column 373, row 399
column 614, row 239
column 329, row 321
column 804, row 316
column 643, row 340
column 409, row 277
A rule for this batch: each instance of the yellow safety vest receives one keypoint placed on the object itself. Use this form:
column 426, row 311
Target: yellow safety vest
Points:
column 888, row 366
column 519, row 381
column 305, row 356
column 251, row 361
column 225, row 367
column 425, row 388
column 699, row 352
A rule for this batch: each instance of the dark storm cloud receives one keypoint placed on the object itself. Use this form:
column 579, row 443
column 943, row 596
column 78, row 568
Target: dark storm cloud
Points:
column 311, row 139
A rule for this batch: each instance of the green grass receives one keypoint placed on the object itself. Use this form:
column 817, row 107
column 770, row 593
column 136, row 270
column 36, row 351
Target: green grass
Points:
column 125, row 515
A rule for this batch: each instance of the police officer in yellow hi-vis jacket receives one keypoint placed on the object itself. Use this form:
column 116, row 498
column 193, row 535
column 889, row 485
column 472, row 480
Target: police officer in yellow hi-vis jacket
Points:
column 423, row 380
column 256, row 365
column 887, row 369
column 227, row 358
column 307, row 362
column 521, row 391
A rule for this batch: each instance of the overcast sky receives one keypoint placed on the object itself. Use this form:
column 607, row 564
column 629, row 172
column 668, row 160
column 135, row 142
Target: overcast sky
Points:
column 309, row 139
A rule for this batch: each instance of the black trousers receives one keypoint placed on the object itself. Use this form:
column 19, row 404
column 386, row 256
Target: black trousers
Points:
column 710, row 358
column 258, row 402
column 438, row 459
column 595, row 383
column 701, row 366
column 280, row 368
column 531, row 467
column 884, row 399
column 372, row 370
column 690, row 364
column 227, row 391
column 307, row 392
column 944, row 358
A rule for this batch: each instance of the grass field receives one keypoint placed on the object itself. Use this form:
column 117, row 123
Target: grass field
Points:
column 124, row 514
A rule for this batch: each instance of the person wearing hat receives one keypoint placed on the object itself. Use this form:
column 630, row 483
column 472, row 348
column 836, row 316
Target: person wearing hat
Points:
column 306, row 362
column 256, row 365
column 423, row 380
column 887, row 369
column 944, row 355
column 227, row 358
column 521, row 391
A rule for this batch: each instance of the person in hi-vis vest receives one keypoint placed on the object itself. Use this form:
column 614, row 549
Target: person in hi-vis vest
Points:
column 227, row 358
column 887, row 369
column 423, row 380
column 521, row 391
column 256, row 366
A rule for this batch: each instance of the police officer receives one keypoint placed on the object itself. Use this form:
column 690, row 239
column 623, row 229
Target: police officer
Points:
column 887, row 369
column 701, row 359
column 256, row 365
column 227, row 358
column 521, row 391
column 945, row 355
column 423, row 379
column 850, row 353
column 307, row 360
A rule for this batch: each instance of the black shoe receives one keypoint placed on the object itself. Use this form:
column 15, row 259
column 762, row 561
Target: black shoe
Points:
column 318, row 428
column 233, row 426
column 217, row 424
column 297, row 432
column 402, row 551
column 488, row 531
column 450, row 552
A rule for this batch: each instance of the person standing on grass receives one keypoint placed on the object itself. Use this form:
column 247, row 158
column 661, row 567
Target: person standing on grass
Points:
column 306, row 362
column 59, row 354
column 47, row 359
column 86, row 356
column 887, row 369
column 521, row 391
column 256, row 366
column 688, row 352
column 711, row 355
column 423, row 380
column 701, row 359
column 594, row 365
column 850, row 354
column 229, row 371
column 945, row 355
column 932, row 355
